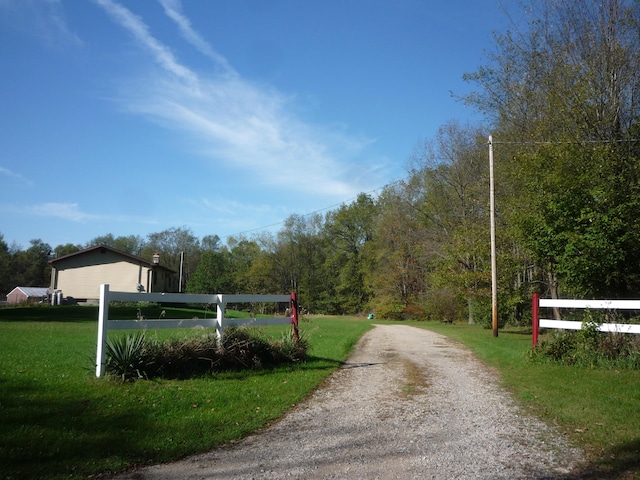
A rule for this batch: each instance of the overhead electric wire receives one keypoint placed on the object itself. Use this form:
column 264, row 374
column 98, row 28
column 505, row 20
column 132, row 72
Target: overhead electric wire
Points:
column 566, row 142
column 494, row 142
column 315, row 211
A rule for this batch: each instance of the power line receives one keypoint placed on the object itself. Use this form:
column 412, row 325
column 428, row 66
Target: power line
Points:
column 566, row 142
column 405, row 178
column 315, row 211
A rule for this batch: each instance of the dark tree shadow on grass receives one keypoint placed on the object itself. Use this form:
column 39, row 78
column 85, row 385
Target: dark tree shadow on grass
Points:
column 48, row 435
column 620, row 462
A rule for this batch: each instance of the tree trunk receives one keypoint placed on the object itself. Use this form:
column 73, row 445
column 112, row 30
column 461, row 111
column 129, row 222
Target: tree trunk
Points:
column 553, row 288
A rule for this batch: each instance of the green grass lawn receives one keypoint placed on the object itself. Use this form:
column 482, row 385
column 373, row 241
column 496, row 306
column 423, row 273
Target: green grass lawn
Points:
column 58, row 421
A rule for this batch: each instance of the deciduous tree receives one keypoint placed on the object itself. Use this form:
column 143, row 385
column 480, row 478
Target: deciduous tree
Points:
column 563, row 90
column 351, row 228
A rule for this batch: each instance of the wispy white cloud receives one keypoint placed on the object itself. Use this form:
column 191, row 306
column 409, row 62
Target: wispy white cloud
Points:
column 59, row 22
column 16, row 176
column 231, row 207
column 72, row 212
column 173, row 9
column 139, row 30
column 235, row 122
column 230, row 216
column 44, row 19
column 65, row 211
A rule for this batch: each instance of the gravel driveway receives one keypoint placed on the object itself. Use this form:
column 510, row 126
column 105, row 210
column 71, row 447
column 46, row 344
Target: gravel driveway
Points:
column 408, row 404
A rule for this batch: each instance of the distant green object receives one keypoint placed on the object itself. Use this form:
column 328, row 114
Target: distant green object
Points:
column 371, row 316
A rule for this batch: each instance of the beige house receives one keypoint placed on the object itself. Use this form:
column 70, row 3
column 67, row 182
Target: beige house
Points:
column 77, row 277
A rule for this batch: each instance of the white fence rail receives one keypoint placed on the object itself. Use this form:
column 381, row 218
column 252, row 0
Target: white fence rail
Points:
column 538, row 322
column 219, row 322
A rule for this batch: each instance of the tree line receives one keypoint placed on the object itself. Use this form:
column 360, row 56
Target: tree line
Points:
column 559, row 94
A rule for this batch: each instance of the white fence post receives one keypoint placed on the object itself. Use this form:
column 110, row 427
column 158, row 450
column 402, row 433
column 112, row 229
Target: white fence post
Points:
column 103, row 317
column 220, row 319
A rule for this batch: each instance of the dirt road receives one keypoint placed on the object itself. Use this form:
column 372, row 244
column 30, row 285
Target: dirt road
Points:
column 408, row 404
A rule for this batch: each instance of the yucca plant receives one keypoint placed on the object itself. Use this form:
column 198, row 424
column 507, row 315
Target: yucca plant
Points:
column 127, row 356
column 289, row 348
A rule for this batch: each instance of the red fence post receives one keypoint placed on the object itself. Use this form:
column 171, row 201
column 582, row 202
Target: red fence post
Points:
column 294, row 315
column 535, row 317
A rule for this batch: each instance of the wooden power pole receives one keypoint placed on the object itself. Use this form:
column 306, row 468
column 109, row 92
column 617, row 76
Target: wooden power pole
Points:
column 494, row 273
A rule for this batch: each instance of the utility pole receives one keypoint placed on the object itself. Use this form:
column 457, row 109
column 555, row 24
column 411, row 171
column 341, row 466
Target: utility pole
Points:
column 181, row 264
column 494, row 272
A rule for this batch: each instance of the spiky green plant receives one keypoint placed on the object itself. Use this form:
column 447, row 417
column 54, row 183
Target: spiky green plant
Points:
column 291, row 349
column 127, row 356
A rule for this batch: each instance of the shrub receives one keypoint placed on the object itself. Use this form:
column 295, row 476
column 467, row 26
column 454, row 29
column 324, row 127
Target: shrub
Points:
column 386, row 307
column 589, row 347
column 561, row 348
column 444, row 306
column 244, row 349
column 414, row 312
column 134, row 356
column 481, row 312
column 290, row 349
column 184, row 357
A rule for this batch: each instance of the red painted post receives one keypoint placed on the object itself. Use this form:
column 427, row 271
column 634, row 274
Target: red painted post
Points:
column 535, row 317
column 294, row 315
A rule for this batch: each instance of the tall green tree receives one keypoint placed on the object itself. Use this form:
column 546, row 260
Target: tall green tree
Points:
column 178, row 248
column 66, row 249
column 450, row 177
column 211, row 242
column 564, row 89
column 569, row 71
column 213, row 274
column 350, row 228
column 588, row 228
column 30, row 267
column 132, row 244
column 298, row 257
column 5, row 268
column 252, row 266
column 398, row 257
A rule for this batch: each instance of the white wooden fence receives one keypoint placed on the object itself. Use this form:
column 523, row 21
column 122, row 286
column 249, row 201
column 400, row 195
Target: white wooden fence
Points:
column 538, row 322
column 219, row 322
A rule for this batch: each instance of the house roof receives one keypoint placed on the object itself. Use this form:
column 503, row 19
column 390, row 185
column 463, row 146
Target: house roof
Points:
column 131, row 258
column 32, row 291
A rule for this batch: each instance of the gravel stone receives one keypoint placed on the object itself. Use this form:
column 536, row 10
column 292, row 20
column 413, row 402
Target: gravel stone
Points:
column 408, row 404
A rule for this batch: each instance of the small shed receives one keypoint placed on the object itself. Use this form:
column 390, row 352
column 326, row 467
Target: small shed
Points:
column 27, row 295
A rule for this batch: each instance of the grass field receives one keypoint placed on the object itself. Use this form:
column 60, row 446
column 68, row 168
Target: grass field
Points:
column 58, row 421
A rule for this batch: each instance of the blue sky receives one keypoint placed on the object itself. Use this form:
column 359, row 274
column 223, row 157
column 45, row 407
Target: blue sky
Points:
column 223, row 117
